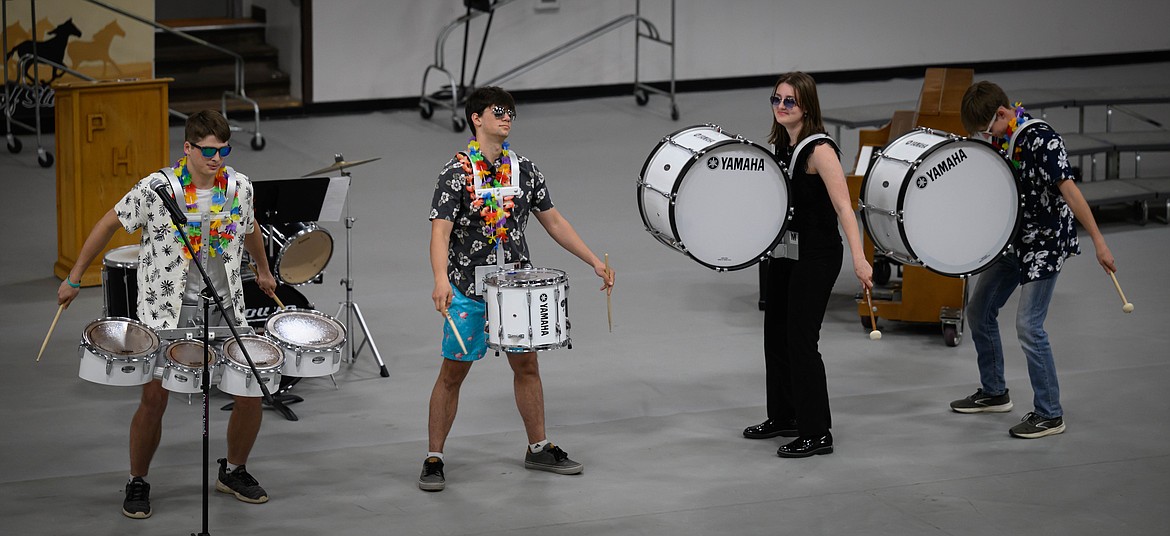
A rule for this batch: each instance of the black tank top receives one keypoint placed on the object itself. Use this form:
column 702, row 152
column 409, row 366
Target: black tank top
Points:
column 813, row 215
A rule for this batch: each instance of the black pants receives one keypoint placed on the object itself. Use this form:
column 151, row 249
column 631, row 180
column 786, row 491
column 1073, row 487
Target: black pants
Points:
column 798, row 293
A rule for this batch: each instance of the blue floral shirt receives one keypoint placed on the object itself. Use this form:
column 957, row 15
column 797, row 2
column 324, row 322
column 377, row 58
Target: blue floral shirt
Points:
column 1048, row 234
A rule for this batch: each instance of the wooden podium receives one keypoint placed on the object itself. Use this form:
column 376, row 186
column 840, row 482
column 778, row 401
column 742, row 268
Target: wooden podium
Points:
column 922, row 295
column 110, row 134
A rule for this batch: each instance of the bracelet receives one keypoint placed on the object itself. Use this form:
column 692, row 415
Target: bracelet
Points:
column 70, row 283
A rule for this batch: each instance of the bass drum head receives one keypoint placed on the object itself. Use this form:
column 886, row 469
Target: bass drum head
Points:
column 960, row 207
column 731, row 206
column 304, row 252
column 258, row 306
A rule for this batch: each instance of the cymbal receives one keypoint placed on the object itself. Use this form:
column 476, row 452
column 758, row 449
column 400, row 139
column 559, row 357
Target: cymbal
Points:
column 340, row 165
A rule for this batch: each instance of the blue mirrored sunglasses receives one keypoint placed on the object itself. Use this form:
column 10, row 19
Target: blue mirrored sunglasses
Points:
column 209, row 152
column 788, row 102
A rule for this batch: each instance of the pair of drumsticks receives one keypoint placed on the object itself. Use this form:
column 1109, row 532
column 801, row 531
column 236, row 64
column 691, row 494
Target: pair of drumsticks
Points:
column 62, row 308
column 1127, row 307
column 608, row 312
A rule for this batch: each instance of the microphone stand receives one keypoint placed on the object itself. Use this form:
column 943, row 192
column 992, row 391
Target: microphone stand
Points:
column 180, row 222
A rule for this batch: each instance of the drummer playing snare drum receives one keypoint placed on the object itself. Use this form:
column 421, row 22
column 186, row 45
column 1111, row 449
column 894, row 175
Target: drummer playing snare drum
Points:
column 464, row 234
column 169, row 289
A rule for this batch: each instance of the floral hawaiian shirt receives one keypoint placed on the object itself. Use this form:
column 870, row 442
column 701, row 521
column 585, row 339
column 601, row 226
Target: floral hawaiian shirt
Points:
column 470, row 245
column 1048, row 234
column 162, row 267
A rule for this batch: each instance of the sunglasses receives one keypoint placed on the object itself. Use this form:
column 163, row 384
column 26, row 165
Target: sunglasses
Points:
column 987, row 131
column 500, row 112
column 209, row 152
column 788, row 102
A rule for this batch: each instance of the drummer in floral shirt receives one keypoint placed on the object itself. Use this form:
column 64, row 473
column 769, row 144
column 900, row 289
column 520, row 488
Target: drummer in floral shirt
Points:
column 221, row 225
column 1048, row 236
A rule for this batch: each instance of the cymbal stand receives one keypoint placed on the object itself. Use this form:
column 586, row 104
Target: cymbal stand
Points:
column 351, row 307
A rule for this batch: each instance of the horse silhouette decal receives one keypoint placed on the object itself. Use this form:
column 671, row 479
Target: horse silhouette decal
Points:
column 52, row 49
column 97, row 50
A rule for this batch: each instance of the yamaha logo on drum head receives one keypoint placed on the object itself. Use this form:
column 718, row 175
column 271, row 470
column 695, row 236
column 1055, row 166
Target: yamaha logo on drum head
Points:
column 713, row 163
column 921, row 181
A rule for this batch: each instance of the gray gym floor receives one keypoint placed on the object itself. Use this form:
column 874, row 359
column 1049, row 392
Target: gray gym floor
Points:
column 654, row 409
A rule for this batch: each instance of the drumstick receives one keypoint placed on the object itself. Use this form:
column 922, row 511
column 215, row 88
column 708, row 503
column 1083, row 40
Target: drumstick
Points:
column 50, row 333
column 456, row 331
column 1128, row 307
column 252, row 265
column 875, row 334
column 608, row 298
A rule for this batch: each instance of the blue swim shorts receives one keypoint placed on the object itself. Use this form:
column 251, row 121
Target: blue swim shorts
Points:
column 470, row 317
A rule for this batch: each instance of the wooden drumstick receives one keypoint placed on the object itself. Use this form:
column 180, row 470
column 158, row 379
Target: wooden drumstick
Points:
column 1127, row 307
column 608, row 297
column 875, row 334
column 456, row 331
column 252, row 265
column 50, row 333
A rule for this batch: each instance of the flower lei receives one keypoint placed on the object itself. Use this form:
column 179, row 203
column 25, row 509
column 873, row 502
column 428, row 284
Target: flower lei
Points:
column 1011, row 129
column 221, row 233
column 493, row 210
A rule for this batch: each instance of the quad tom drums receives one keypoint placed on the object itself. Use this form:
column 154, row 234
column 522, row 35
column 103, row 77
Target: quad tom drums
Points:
column 310, row 341
column 527, row 309
column 716, row 197
column 298, row 251
column 118, row 351
column 181, row 369
column 120, row 281
column 948, row 203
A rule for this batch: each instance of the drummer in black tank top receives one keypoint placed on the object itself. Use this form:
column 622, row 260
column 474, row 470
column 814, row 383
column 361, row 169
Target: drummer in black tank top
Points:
column 798, row 289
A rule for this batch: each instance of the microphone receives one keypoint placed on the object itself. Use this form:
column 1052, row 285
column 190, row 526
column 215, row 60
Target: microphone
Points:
column 163, row 191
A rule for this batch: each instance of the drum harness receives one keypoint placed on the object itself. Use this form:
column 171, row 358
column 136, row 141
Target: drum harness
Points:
column 789, row 246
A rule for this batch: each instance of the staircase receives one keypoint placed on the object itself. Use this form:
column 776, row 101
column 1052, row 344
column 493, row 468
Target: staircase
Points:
column 202, row 74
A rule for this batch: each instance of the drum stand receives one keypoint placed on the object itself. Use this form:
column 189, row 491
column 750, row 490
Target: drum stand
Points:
column 351, row 307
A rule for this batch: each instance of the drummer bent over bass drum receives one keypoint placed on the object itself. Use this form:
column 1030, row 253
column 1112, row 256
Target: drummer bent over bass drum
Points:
column 941, row 201
column 716, row 197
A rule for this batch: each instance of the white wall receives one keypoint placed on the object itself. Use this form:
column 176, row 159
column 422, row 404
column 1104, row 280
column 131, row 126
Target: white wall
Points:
column 372, row 49
column 283, row 31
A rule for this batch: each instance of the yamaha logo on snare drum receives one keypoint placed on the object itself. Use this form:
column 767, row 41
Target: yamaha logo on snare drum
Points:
column 935, row 173
column 735, row 163
column 544, row 328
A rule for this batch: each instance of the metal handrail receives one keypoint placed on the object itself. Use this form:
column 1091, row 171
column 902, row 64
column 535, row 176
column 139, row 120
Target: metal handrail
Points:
column 239, row 83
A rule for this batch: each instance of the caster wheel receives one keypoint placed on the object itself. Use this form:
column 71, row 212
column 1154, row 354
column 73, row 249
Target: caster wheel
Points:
column 258, row 142
column 674, row 112
column 881, row 272
column 641, row 97
column 951, row 335
column 14, row 145
column 45, row 159
column 426, row 110
column 458, row 124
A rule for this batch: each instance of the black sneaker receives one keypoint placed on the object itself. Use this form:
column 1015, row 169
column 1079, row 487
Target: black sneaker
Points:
column 552, row 459
column 1034, row 426
column 239, row 483
column 981, row 402
column 431, row 478
column 137, row 503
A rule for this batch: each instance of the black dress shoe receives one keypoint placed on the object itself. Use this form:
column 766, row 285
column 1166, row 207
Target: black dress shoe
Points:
column 807, row 446
column 771, row 428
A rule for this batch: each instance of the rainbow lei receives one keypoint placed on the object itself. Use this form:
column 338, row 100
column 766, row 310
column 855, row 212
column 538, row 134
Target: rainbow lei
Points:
column 221, row 234
column 493, row 210
column 1011, row 129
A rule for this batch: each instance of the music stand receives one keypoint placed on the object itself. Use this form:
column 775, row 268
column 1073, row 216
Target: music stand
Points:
column 279, row 201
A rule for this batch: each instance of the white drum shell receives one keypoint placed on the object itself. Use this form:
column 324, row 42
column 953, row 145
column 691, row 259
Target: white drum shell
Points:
column 311, row 342
column 179, row 372
column 117, row 351
column 236, row 377
column 947, row 203
column 528, row 310
column 720, row 199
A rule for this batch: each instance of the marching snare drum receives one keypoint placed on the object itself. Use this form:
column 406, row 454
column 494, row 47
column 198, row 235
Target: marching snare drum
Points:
column 941, row 201
column 182, row 366
column 120, row 281
column 716, row 197
column 118, row 351
column 311, row 342
column 300, row 251
column 236, row 376
column 528, row 310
